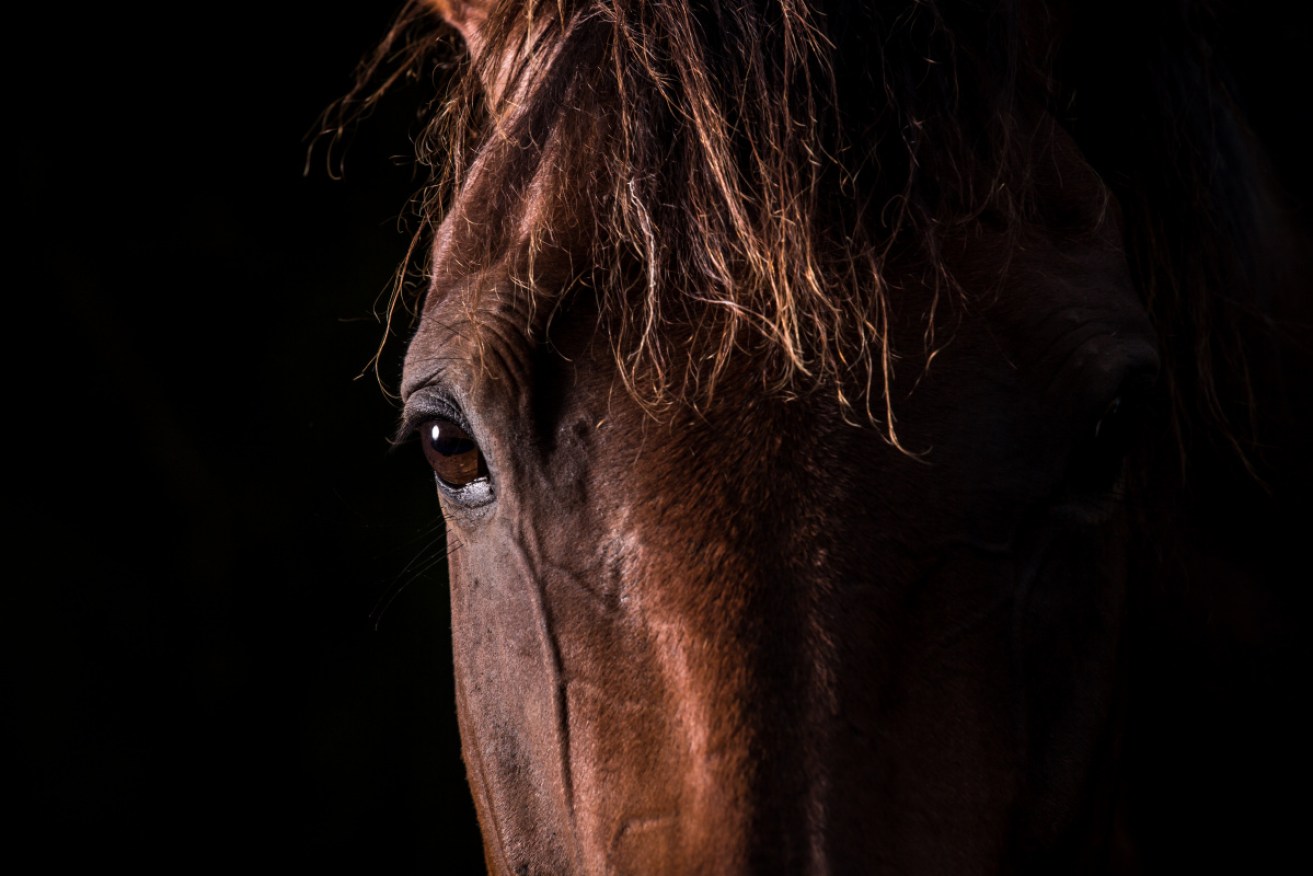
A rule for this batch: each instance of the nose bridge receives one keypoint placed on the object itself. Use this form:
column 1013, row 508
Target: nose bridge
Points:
column 711, row 728
column 739, row 646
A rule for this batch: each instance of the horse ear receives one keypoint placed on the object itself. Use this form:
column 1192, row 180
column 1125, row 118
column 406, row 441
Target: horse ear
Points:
column 467, row 16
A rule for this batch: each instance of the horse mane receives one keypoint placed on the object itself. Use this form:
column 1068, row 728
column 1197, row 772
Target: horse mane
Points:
column 753, row 165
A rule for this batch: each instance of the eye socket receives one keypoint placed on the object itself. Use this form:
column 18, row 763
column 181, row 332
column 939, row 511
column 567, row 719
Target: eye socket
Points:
column 452, row 453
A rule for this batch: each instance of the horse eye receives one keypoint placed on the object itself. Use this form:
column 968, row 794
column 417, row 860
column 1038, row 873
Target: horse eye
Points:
column 453, row 453
column 1101, row 452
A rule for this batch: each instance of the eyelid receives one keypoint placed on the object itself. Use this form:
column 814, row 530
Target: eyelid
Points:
column 424, row 406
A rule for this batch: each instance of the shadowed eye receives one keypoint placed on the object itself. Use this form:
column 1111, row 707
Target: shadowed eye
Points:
column 1101, row 453
column 453, row 454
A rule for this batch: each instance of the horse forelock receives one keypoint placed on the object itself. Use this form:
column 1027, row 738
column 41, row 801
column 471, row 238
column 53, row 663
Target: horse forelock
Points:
column 749, row 170
column 732, row 192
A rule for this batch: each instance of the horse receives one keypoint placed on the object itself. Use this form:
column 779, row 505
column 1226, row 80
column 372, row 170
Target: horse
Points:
column 868, row 434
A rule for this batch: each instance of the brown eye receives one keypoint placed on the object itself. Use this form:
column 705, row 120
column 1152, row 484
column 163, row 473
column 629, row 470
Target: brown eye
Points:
column 452, row 453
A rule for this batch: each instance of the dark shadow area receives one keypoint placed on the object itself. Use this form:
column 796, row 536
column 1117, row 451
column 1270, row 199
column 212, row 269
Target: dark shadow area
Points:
column 229, row 622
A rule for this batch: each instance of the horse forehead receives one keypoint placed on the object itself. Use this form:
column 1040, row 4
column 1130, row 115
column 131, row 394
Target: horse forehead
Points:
column 498, row 217
column 483, row 319
column 491, row 281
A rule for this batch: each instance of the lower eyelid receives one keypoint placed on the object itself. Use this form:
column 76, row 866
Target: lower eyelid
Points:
column 474, row 495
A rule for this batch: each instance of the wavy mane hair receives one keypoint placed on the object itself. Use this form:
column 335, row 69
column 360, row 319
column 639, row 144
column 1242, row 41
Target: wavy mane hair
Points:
column 753, row 165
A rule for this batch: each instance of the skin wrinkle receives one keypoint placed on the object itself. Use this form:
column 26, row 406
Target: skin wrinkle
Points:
column 552, row 652
column 609, row 604
column 472, row 754
column 635, row 823
column 501, row 334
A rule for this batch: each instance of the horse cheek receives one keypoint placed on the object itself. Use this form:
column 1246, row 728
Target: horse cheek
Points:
column 508, row 700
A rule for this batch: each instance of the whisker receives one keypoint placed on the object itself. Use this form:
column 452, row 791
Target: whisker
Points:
column 434, row 551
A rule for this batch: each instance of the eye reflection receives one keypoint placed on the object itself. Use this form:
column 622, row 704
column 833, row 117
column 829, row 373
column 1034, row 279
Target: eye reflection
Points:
column 453, row 453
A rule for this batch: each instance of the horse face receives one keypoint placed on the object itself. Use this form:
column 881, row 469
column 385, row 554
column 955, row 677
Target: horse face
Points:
column 757, row 633
column 757, row 636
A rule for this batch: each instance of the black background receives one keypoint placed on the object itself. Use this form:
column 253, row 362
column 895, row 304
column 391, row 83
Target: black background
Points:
column 230, row 630
column 226, row 606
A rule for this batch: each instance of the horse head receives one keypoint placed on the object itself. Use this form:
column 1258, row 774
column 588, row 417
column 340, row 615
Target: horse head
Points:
column 796, row 401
